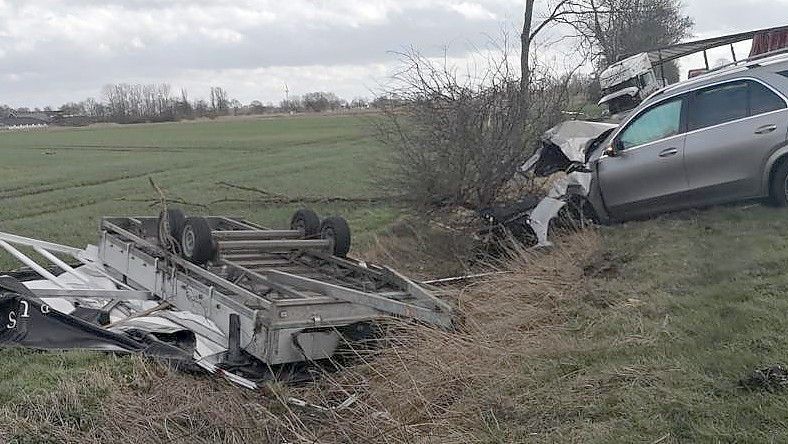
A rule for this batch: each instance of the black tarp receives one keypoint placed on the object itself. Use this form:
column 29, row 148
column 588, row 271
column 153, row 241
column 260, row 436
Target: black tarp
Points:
column 26, row 321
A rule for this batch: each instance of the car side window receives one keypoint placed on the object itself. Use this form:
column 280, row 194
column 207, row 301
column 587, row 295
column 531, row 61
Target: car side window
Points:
column 718, row 104
column 661, row 121
column 763, row 100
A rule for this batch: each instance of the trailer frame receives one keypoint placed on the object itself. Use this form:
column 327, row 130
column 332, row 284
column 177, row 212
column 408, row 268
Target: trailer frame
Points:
column 283, row 298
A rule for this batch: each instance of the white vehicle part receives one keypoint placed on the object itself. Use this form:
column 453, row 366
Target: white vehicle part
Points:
column 572, row 138
column 624, row 70
column 548, row 208
column 632, row 91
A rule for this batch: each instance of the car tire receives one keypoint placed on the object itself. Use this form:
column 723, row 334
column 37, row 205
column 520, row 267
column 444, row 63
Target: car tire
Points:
column 337, row 230
column 197, row 244
column 307, row 222
column 778, row 187
column 170, row 227
column 576, row 215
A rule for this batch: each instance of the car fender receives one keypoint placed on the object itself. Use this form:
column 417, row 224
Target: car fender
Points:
column 778, row 154
column 596, row 199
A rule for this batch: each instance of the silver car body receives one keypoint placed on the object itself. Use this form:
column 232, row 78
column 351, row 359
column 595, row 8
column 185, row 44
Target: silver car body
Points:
column 731, row 127
column 698, row 164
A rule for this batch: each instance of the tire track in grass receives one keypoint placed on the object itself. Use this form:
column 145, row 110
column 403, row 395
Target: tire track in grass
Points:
column 272, row 151
column 278, row 145
column 228, row 166
column 20, row 192
column 239, row 166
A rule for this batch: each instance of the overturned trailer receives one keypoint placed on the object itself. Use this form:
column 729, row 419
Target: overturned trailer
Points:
column 246, row 294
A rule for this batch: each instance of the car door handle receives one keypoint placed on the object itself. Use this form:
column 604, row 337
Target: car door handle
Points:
column 766, row 129
column 669, row 152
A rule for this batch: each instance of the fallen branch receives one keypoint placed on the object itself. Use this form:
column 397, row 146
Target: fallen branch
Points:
column 270, row 198
column 154, row 202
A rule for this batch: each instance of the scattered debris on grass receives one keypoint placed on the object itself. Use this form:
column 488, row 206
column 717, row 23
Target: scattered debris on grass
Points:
column 411, row 384
column 771, row 379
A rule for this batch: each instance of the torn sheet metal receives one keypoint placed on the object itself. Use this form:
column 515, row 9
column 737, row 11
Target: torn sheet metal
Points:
column 549, row 207
column 36, row 319
column 567, row 148
column 563, row 145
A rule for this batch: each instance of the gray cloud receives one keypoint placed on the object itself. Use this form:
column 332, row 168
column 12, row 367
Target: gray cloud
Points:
column 52, row 51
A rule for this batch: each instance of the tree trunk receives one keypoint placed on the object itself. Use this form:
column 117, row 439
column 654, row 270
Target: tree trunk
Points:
column 525, row 43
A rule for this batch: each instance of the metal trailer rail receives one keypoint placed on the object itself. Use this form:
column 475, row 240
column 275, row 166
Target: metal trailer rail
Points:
column 278, row 296
column 80, row 286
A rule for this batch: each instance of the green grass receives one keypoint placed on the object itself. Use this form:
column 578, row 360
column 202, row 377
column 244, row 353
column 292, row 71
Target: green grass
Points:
column 57, row 184
column 653, row 349
column 697, row 302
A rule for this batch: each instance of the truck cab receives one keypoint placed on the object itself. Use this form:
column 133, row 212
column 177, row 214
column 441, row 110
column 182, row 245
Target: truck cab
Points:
column 628, row 82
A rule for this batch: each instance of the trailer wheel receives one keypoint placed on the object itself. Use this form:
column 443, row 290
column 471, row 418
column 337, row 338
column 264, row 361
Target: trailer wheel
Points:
column 170, row 227
column 336, row 230
column 197, row 244
column 307, row 222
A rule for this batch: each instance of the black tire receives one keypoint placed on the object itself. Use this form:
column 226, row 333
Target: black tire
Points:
column 197, row 245
column 307, row 222
column 336, row 230
column 170, row 227
column 778, row 187
column 576, row 215
column 581, row 213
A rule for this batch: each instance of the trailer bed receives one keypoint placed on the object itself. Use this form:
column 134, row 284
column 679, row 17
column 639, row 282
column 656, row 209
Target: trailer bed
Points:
column 276, row 295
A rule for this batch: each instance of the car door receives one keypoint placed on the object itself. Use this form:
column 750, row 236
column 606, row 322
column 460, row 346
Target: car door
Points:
column 732, row 128
column 646, row 174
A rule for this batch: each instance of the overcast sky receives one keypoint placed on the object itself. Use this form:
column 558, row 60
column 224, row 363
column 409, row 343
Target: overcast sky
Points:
column 54, row 51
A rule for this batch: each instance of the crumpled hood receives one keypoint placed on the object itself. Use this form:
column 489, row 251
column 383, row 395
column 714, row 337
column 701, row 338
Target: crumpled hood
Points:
column 564, row 144
column 564, row 148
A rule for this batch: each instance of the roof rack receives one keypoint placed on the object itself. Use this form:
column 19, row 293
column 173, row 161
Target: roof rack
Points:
column 775, row 56
column 772, row 56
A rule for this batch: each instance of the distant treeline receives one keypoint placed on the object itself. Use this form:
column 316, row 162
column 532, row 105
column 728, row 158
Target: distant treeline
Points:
column 137, row 103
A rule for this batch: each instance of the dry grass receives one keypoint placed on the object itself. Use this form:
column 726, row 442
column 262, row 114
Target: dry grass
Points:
column 421, row 250
column 427, row 385
column 417, row 384
column 144, row 402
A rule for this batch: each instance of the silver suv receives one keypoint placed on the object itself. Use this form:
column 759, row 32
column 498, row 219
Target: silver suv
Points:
column 717, row 138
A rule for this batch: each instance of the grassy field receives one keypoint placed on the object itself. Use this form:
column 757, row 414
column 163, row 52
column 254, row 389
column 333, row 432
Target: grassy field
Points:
column 57, row 184
column 687, row 305
column 709, row 291
column 646, row 344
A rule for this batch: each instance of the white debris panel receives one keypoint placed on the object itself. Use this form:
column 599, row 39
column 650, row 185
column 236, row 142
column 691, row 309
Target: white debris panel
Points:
column 86, row 293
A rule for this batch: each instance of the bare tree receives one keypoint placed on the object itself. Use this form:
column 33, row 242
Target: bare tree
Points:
column 220, row 100
column 125, row 103
column 457, row 139
column 610, row 29
column 322, row 101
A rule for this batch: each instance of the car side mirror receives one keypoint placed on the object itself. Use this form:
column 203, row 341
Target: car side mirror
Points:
column 613, row 149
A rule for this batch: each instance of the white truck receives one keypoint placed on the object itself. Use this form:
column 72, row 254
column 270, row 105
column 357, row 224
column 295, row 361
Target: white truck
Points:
column 629, row 81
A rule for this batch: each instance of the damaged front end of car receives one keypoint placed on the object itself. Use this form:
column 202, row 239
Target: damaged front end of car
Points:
column 566, row 151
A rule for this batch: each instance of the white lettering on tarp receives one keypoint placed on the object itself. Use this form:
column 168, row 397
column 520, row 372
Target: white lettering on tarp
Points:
column 11, row 320
column 25, row 309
